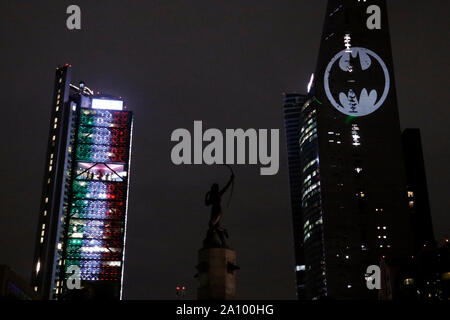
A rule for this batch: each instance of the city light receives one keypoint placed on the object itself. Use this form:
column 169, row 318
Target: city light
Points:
column 107, row 104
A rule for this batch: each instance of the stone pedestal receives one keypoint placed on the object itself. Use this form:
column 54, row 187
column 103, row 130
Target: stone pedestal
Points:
column 216, row 274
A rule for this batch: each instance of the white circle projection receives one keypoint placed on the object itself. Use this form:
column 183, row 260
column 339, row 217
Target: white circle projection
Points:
column 353, row 93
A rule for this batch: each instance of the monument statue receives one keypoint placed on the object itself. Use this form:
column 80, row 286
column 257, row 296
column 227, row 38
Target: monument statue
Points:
column 216, row 268
column 216, row 236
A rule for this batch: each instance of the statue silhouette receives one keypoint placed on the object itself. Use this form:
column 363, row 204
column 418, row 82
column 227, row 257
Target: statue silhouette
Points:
column 213, row 198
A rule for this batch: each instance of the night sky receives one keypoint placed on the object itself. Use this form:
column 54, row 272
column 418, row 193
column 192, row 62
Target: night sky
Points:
column 226, row 63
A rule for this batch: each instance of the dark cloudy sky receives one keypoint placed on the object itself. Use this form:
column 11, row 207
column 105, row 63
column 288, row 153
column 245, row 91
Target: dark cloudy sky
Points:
column 224, row 62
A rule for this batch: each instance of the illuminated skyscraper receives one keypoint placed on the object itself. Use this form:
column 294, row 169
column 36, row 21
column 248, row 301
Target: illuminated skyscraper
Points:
column 82, row 221
column 292, row 106
column 352, row 194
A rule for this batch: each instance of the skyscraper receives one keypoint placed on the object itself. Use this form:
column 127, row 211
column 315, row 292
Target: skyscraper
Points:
column 82, row 220
column 416, row 180
column 353, row 197
column 292, row 106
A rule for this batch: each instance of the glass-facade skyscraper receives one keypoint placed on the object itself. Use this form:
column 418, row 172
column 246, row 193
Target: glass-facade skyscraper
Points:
column 351, row 203
column 82, row 219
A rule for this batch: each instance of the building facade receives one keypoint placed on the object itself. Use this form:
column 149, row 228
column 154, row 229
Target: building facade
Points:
column 353, row 195
column 418, row 200
column 292, row 106
column 423, row 277
column 82, row 220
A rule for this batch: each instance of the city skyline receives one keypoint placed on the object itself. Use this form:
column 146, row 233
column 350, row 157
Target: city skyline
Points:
column 248, row 80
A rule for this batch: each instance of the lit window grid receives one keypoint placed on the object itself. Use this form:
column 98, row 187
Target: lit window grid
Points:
column 92, row 242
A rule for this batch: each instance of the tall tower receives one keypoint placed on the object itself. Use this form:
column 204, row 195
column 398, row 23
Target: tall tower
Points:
column 353, row 189
column 292, row 110
column 82, row 220
column 416, row 180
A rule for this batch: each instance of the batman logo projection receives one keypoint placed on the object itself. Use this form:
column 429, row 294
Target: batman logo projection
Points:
column 356, row 81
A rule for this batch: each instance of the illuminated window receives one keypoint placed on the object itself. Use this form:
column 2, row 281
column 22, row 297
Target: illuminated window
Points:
column 355, row 135
column 38, row 266
column 36, row 289
column 410, row 194
column 411, row 204
column 300, row 268
column 347, row 42
column 45, row 213
column 42, row 240
column 46, row 200
column 408, row 281
column 53, row 138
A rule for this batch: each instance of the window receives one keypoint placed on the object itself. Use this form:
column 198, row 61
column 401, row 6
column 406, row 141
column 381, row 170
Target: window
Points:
column 300, row 268
column 355, row 135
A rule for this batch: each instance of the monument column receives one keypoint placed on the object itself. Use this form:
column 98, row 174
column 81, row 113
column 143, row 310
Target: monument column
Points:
column 216, row 260
column 217, row 274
